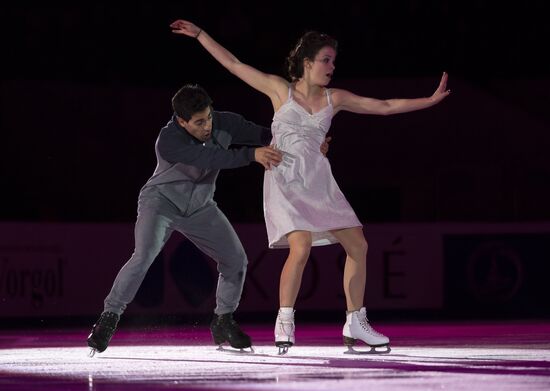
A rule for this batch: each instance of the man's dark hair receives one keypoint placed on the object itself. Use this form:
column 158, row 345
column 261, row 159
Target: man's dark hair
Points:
column 190, row 99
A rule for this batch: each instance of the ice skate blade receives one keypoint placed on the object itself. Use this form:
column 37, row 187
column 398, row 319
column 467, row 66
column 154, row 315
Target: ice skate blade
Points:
column 92, row 352
column 236, row 350
column 283, row 347
column 283, row 350
column 373, row 350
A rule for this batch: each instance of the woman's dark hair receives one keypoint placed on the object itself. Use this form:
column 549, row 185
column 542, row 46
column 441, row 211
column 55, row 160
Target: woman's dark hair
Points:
column 307, row 47
column 190, row 99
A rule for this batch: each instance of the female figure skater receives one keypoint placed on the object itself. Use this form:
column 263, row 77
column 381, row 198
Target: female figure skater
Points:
column 303, row 205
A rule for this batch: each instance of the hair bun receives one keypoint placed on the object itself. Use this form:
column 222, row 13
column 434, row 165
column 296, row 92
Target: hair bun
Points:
column 307, row 46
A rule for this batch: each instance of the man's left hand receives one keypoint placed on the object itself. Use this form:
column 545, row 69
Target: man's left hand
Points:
column 324, row 146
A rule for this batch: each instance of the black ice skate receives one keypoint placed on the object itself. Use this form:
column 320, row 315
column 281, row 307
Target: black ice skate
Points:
column 102, row 332
column 225, row 329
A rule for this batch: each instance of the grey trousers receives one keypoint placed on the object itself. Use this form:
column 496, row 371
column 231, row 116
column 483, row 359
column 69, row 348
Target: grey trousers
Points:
column 207, row 228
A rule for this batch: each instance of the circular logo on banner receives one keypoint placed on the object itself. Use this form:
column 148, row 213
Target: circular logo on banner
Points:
column 494, row 273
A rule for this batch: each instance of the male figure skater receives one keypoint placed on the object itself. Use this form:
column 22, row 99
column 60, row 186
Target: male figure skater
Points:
column 190, row 150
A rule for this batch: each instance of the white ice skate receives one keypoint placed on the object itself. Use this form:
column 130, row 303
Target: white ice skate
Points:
column 357, row 327
column 284, row 329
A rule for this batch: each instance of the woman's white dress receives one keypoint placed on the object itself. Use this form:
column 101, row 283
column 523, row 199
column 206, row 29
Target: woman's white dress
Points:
column 301, row 193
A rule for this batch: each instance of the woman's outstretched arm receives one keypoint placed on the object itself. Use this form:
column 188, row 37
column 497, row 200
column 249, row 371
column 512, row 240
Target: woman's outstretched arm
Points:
column 345, row 100
column 271, row 85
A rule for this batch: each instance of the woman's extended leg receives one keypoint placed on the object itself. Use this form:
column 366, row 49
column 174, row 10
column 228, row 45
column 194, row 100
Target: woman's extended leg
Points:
column 355, row 276
column 355, row 269
column 291, row 279
column 291, row 275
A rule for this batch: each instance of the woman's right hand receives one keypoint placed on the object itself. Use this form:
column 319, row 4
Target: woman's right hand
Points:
column 275, row 87
column 185, row 27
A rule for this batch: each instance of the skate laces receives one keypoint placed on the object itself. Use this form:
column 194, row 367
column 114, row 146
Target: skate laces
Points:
column 107, row 321
column 285, row 323
column 364, row 322
column 230, row 323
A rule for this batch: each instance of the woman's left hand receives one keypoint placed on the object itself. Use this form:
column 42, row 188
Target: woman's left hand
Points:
column 442, row 91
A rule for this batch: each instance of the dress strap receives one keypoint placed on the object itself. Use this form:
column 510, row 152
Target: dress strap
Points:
column 327, row 93
column 289, row 91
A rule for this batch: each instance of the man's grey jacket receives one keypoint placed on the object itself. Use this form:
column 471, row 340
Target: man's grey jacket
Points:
column 187, row 168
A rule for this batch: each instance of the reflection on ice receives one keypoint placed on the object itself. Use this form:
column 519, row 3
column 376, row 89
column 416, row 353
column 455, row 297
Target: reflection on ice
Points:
column 425, row 357
column 304, row 367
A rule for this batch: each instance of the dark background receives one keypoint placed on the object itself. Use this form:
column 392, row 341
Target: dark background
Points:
column 86, row 86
